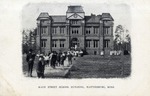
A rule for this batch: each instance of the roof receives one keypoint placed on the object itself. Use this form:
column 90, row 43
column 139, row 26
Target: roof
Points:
column 57, row 18
column 92, row 19
column 88, row 19
column 74, row 9
column 106, row 16
column 43, row 15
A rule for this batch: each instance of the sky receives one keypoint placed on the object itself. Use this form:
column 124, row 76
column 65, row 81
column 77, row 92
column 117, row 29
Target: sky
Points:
column 121, row 13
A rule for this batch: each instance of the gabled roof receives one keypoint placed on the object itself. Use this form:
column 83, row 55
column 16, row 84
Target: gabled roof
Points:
column 57, row 18
column 75, row 9
column 106, row 16
column 44, row 15
column 78, row 16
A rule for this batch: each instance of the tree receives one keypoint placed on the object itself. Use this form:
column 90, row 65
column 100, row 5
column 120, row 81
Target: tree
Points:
column 32, row 39
column 28, row 41
column 122, row 38
column 128, row 43
column 119, row 34
column 118, row 37
column 25, row 42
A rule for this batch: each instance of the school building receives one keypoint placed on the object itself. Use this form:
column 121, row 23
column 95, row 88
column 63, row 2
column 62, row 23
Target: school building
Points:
column 75, row 31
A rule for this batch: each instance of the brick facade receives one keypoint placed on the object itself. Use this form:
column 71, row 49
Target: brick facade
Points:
column 60, row 33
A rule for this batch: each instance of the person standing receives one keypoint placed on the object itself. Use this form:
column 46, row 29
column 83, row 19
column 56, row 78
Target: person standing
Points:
column 30, row 59
column 62, row 58
column 70, row 58
column 50, row 59
column 53, row 59
column 58, row 59
column 40, row 67
column 46, row 58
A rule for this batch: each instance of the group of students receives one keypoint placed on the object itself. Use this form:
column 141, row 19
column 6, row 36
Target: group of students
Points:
column 57, row 59
column 52, row 59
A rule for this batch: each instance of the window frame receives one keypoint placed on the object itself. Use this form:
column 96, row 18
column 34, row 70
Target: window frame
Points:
column 96, row 29
column 106, row 43
column 43, row 43
column 88, row 43
column 54, row 30
column 62, row 43
column 88, row 30
column 95, row 43
column 62, row 30
column 54, row 43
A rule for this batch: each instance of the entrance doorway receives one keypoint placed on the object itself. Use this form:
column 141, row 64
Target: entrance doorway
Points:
column 74, row 43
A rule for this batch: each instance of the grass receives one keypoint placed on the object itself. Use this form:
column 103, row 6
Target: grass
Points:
column 101, row 67
column 94, row 66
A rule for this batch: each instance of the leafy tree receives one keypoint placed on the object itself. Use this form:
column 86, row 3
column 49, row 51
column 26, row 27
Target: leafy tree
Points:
column 28, row 40
column 122, row 38
column 25, row 42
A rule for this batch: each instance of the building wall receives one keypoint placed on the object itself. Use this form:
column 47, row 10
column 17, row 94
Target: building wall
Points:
column 82, row 36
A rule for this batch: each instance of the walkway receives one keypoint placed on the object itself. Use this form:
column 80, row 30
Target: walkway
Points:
column 58, row 72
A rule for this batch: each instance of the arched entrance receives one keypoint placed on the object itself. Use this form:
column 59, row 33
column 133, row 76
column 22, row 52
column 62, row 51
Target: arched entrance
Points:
column 74, row 43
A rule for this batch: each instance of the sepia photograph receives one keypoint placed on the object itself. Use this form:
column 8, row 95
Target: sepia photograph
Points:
column 76, row 43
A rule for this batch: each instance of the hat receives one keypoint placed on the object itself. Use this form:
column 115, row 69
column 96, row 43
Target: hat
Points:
column 30, row 50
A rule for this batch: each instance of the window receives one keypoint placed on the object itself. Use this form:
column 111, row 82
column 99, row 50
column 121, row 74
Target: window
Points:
column 106, row 30
column 62, row 43
column 43, row 42
column 88, row 43
column 105, row 21
column 74, row 21
column 62, row 29
column 54, row 43
column 54, row 30
column 75, row 30
column 43, row 30
column 43, row 21
column 95, row 30
column 88, row 31
column 106, row 43
column 95, row 43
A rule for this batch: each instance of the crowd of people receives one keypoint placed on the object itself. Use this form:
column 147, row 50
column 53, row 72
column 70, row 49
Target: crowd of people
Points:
column 57, row 59
column 52, row 59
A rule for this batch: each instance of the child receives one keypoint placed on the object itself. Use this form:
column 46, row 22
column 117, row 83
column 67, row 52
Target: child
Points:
column 40, row 67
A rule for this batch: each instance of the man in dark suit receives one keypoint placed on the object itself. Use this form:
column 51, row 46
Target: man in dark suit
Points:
column 30, row 59
column 53, row 59
column 40, row 67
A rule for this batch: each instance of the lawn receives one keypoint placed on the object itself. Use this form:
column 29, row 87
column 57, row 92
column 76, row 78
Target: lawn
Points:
column 95, row 66
column 92, row 66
